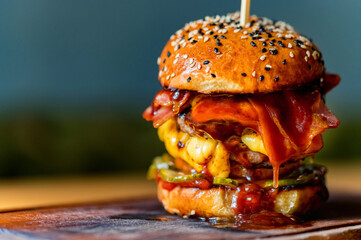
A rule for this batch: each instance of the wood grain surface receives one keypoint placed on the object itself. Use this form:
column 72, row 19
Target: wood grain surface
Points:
column 124, row 207
column 146, row 219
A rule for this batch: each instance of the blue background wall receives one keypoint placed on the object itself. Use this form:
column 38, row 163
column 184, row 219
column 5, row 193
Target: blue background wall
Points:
column 74, row 53
column 76, row 70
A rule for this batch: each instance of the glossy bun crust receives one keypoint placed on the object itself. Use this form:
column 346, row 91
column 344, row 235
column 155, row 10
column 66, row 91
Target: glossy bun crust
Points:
column 219, row 202
column 217, row 55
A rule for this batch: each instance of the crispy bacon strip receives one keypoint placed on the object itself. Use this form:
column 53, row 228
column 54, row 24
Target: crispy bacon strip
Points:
column 166, row 105
column 290, row 122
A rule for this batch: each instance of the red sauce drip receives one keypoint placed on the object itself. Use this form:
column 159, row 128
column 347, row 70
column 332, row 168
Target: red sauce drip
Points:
column 264, row 220
column 252, row 198
column 201, row 184
column 255, row 209
column 289, row 122
column 276, row 174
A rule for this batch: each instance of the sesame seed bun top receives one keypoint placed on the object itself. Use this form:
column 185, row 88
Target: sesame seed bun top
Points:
column 218, row 55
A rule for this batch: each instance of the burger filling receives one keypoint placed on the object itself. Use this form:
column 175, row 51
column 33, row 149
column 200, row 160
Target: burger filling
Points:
column 227, row 139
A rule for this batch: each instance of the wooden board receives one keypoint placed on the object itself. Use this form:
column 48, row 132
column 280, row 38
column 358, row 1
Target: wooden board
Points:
column 98, row 207
column 143, row 219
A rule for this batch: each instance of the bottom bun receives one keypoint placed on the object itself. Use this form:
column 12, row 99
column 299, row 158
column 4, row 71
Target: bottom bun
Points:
column 221, row 202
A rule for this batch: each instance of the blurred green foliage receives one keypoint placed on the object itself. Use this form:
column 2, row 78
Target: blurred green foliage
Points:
column 42, row 144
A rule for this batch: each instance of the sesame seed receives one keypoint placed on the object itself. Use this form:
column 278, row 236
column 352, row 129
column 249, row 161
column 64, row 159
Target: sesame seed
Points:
column 315, row 55
column 321, row 80
column 215, row 36
column 206, row 39
column 164, row 60
column 191, row 60
column 245, row 32
column 236, row 30
column 158, row 60
column 273, row 52
column 298, row 43
column 306, row 58
column 224, row 37
column 175, row 61
column 218, row 43
column 177, row 56
column 192, row 65
column 199, row 66
column 264, row 50
column 271, row 43
column 172, row 75
column 253, row 44
column 244, row 37
column 261, row 78
column 284, row 61
column 189, row 79
column 213, row 75
column 267, row 68
column 277, row 79
column 292, row 55
column 168, row 54
column 263, row 57
column 254, row 74
column 185, row 56
column 308, row 53
column 264, row 44
column 244, row 74
column 206, row 62
column 289, row 45
column 309, row 67
column 208, row 69
column 261, row 39
column 168, row 77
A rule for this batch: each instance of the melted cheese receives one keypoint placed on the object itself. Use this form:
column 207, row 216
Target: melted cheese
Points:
column 195, row 150
column 198, row 151
column 253, row 141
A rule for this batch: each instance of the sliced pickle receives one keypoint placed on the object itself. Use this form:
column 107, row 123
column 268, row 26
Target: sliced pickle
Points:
column 161, row 162
column 227, row 182
column 178, row 177
column 302, row 179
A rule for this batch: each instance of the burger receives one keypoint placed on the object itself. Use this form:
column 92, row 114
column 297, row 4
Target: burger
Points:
column 241, row 115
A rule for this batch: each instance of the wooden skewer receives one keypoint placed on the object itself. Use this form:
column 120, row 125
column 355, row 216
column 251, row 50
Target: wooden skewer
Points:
column 244, row 14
